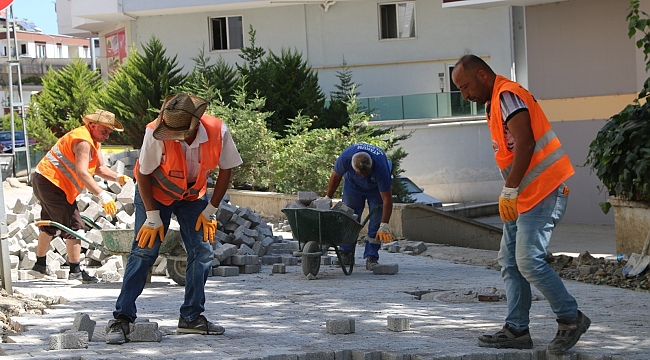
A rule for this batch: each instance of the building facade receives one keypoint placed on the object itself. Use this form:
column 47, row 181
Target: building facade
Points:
column 573, row 55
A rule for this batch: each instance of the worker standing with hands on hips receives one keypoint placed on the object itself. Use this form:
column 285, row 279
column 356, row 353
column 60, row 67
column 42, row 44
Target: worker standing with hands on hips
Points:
column 367, row 173
column 180, row 150
column 533, row 201
column 63, row 173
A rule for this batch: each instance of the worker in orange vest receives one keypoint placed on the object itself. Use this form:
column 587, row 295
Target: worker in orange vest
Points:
column 63, row 173
column 180, row 150
column 533, row 200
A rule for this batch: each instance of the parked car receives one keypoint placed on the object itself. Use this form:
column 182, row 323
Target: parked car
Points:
column 417, row 193
column 5, row 140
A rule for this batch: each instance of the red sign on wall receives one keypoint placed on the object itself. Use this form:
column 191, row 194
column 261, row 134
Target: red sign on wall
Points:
column 115, row 49
column 5, row 4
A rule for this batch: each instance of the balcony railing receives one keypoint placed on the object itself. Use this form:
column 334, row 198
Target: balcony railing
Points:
column 420, row 106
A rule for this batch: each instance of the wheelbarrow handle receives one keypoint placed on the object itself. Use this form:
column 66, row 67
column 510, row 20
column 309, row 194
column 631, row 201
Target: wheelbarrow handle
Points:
column 372, row 211
column 73, row 233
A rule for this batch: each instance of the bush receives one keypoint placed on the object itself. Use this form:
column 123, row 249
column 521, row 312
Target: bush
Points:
column 620, row 154
column 256, row 144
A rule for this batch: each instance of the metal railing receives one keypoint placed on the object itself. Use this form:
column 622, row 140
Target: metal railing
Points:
column 420, row 106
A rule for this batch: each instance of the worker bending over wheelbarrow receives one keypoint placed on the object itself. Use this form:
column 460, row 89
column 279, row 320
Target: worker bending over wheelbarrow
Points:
column 367, row 173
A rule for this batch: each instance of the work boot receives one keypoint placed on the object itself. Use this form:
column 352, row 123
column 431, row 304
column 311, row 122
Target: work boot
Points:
column 371, row 262
column 117, row 331
column 83, row 277
column 568, row 333
column 507, row 338
column 43, row 270
column 200, row 325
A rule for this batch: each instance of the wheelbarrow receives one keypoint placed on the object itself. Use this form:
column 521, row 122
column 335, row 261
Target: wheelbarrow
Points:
column 318, row 230
column 119, row 242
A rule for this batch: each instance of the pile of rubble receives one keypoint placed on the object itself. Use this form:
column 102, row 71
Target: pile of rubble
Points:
column 243, row 241
column 599, row 271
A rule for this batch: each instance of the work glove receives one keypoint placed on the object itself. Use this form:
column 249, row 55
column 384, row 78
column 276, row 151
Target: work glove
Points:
column 208, row 221
column 508, row 204
column 383, row 234
column 122, row 179
column 152, row 226
column 107, row 202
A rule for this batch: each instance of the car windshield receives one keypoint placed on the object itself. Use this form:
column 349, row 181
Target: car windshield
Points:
column 411, row 188
column 6, row 135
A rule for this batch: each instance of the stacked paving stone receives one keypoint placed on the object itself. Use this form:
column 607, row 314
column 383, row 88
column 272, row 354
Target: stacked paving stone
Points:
column 243, row 240
column 23, row 233
column 309, row 199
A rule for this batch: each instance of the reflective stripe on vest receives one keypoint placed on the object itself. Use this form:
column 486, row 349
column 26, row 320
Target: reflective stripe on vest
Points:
column 549, row 165
column 167, row 188
column 159, row 180
column 542, row 165
column 62, row 168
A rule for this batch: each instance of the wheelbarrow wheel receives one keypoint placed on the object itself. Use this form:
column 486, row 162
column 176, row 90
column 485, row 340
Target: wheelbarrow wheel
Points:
column 310, row 263
column 177, row 268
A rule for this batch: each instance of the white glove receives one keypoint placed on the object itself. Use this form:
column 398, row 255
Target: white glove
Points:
column 152, row 227
column 107, row 202
column 208, row 221
column 383, row 233
column 508, row 204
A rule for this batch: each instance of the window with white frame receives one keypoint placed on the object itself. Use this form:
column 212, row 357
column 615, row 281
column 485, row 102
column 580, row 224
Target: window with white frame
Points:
column 397, row 20
column 40, row 51
column 59, row 51
column 226, row 33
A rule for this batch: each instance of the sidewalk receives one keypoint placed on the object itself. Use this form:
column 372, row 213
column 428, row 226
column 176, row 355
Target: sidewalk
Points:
column 283, row 316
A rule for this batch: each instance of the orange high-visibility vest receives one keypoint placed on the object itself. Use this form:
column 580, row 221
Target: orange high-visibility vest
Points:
column 58, row 165
column 550, row 165
column 169, row 180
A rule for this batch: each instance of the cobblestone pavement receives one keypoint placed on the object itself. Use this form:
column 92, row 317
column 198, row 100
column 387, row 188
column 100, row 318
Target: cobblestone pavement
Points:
column 283, row 316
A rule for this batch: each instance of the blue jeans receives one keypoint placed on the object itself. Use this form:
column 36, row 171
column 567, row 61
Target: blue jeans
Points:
column 357, row 202
column 199, row 259
column 523, row 260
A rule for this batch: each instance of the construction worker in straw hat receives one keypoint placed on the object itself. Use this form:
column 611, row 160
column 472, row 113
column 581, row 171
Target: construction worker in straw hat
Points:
column 61, row 175
column 180, row 150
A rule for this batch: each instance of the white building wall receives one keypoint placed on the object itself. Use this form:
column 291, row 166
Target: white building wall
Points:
column 350, row 29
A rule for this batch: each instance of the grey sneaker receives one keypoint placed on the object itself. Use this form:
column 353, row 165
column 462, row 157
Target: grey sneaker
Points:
column 371, row 262
column 506, row 339
column 200, row 325
column 117, row 331
column 45, row 270
column 568, row 333
column 82, row 276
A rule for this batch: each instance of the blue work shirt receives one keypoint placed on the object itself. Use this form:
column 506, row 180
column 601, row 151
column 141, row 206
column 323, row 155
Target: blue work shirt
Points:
column 379, row 178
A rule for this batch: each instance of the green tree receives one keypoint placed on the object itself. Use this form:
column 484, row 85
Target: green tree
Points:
column 290, row 88
column 210, row 81
column 250, row 69
column 67, row 95
column 336, row 115
column 137, row 89
column 346, row 86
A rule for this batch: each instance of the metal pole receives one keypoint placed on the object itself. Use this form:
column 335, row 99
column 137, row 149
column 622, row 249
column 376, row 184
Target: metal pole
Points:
column 5, row 263
column 93, row 56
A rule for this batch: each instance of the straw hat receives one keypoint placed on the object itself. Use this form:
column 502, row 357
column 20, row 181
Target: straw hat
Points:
column 105, row 118
column 179, row 117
